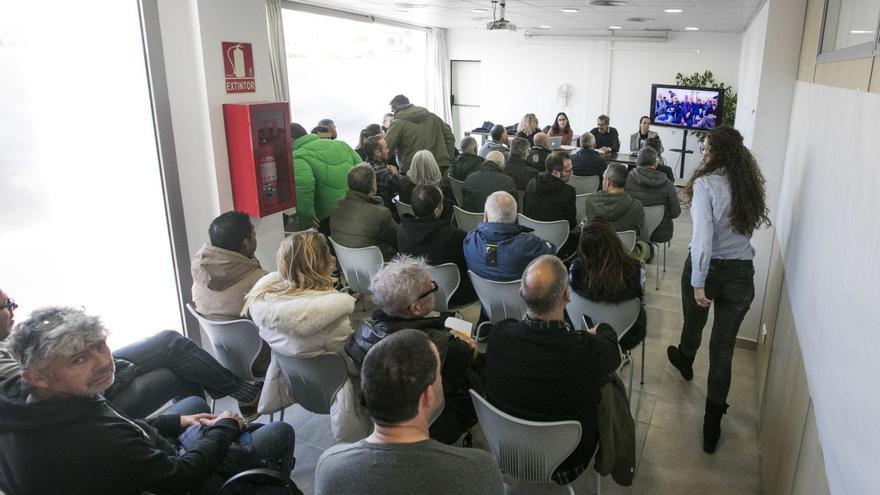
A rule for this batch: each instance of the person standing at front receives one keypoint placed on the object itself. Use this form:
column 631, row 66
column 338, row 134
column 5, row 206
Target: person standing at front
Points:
column 727, row 205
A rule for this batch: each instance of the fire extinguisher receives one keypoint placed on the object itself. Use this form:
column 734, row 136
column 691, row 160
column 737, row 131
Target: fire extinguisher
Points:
column 236, row 59
column 268, row 172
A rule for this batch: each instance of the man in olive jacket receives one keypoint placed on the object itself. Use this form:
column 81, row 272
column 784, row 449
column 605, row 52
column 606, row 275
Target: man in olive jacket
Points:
column 360, row 220
column 415, row 129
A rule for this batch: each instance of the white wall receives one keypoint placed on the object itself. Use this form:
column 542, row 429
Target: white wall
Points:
column 192, row 32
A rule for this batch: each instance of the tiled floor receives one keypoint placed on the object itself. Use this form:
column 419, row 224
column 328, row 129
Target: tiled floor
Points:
column 668, row 411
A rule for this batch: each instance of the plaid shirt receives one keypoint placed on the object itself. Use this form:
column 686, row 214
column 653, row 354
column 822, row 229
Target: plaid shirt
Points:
column 387, row 184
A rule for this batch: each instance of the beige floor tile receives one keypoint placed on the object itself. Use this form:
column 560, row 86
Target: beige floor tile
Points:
column 657, row 480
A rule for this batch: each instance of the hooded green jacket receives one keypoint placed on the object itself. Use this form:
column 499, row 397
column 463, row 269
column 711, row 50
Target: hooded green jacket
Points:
column 415, row 129
column 320, row 170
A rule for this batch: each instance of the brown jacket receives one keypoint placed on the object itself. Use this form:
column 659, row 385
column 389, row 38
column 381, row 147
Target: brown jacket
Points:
column 361, row 220
column 221, row 279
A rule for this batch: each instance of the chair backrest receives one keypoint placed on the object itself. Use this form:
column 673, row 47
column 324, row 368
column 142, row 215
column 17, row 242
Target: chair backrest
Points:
column 448, row 278
column 585, row 184
column 314, row 381
column 236, row 343
column 358, row 264
column 402, row 207
column 580, row 204
column 628, row 238
column 457, row 186
column 467, row 220
column 500, row 299
column 653, row 217
column 555, row 232
column 621, row 316
column 527, row 450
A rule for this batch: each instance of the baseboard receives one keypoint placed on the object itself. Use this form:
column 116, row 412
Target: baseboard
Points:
column 746, row 343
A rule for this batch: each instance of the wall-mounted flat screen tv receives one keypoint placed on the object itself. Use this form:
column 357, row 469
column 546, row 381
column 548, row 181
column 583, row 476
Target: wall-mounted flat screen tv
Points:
column 686, row 107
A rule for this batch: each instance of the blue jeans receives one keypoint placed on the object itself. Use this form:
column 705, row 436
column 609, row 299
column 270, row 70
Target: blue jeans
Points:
column 273, row 442
column 169, row 366
column 731, row 286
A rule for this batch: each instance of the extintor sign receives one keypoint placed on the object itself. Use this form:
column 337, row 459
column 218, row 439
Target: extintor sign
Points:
column 238, row 63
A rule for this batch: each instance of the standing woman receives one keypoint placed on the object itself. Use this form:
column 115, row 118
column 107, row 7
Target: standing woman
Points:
column 528, row 127
column 727, row 205
column 561, row 127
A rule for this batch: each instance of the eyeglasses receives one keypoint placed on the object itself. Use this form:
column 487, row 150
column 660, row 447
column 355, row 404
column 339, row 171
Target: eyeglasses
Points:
column 434, row 288
column 10, row 305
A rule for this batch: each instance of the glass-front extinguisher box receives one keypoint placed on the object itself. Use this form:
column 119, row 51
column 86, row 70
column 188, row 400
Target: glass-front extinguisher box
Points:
column 260, row 163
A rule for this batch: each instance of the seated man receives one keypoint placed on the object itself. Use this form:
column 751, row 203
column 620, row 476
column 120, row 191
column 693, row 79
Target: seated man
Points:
column 403, row 391
column 618, row 207
column 360, row 220
column 651, row 186
column 497, row 142
column 225, row 270
column 467, row 161
column 488, row 178
column 151, row 372
column 548, row 196
column 539, row 152
column 539, row 369
column 403, row 293
column 499, row 248
column 425, row 235
column 387, row 176
column 655, row 143
column 606, row 136
column 587, row 161
column 59, row 435
column 517, row 167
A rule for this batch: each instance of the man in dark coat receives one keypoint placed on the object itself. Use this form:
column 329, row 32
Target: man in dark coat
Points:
column 517, row 167
column 488, row 178
column 606, row 136
column 539, row 152
column 651, row 186
column 587, row 161
column 548, row 196
column 468, row 161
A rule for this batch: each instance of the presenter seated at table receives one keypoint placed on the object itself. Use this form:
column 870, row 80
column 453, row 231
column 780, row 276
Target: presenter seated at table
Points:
column 562, row 127
column 607, row 140
column 639, row 140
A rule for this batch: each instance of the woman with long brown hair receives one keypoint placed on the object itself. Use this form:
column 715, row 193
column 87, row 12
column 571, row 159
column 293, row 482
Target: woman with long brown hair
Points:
column 727, row 203
column 562, row 127
column 604, row 271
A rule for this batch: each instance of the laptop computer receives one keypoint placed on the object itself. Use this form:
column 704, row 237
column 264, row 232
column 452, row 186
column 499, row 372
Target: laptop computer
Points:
column 555, row 142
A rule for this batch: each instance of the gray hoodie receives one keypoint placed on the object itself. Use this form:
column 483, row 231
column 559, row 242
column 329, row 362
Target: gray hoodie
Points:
column 624, row 212
column 652, row 187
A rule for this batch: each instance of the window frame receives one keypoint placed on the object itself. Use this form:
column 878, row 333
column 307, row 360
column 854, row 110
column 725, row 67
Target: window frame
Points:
column 867, row 49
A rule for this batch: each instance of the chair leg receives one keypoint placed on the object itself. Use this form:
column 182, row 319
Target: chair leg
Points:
column 657, row 287
column 664, row 257
column 643, row 360
column 643, row 381
column 632, row 372
column 598, row 484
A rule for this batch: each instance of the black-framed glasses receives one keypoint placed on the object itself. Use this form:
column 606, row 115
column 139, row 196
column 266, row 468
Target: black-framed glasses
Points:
column 10, row 305
column 434, row 288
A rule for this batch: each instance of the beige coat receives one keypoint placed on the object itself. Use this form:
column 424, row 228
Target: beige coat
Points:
column 221, row 279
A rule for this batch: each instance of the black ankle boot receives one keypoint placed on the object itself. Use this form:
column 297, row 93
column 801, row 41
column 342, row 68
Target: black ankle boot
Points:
column 684, row 364
column 712, row 425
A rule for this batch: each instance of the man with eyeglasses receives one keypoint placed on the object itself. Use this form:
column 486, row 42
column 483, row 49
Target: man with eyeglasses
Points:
column 606, row 136
column 403, row 293
column 8, row 366
column 549, row 197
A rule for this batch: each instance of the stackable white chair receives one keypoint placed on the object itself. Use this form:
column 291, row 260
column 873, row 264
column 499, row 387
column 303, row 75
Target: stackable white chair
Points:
column 236, row 343
column 448, row 279
column 580, row 204
column 467, row 220
column 457, row 186
column 402, row 207
column 315, row 381
column 585, row 184
column 653, row 217
column 358, row 265
column 628, row 238
column 555, row 232
column 500, row 299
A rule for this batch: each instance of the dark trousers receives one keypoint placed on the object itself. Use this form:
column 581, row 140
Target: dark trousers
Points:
column 167, row 366
column 731, row 286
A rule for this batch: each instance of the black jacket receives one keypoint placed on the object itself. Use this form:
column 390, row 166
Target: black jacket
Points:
column 520, row 171
column 84, row 446
column 479, row 185
column 652, row 188
column 464, row 165
column 438, row 243
column 588, row 162
column 609, row 139
column 549, row 198
column 544, row 371
column 537, row 157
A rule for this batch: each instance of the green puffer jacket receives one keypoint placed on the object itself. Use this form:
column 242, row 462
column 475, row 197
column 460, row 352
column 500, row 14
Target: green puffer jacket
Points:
column 415, row 129
column 320, row 169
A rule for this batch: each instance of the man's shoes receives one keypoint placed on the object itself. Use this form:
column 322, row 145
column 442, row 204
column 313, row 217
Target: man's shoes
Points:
column 712, row 425
column 684, row 364
column 249, row 409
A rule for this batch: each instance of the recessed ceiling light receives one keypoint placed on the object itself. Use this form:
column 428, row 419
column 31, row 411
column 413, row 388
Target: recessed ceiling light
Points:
column 570, row 11
column 544, row 26
column 608, row 3
column 640, row 19
column 614, row 27
column 673, row 11
column 861, row 31
column 692, row 28
column 480, row 11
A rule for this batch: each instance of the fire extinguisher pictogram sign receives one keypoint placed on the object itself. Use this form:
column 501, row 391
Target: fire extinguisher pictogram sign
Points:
column 238, row 63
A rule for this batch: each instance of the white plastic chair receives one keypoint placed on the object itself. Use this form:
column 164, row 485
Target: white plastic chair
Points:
column 621, row 316
column 315, row 381
column 236, row 343
column 457, row 186
column 448, row 279
column 500, row 299
column 529, row 451
column 580, row 204
column 585, row 184
column 358, row 265
column 402, row 208
column 628, row 238
column 653, row 217
column 555, row 232
column 467, row 220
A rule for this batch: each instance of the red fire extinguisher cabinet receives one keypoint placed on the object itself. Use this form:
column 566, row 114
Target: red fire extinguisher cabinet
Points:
column 260, row 161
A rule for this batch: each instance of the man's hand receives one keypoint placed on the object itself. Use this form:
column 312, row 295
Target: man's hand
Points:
column 195, row 419
column 226, row 414
column 466, row 339
column 393, row 169
column 592, row 331
column 700, row 297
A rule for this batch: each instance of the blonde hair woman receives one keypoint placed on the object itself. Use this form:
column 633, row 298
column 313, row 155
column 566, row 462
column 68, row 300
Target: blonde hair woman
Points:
column 300, row 313
column 528, row 127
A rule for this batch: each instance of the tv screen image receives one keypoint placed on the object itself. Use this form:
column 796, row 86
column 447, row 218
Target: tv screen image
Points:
column 697, row 109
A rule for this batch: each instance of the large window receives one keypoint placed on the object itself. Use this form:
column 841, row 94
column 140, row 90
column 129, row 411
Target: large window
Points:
column 348, row 71
column 850, row 29
column 82, row 217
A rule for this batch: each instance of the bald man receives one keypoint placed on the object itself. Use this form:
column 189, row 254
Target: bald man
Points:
column 539, row 369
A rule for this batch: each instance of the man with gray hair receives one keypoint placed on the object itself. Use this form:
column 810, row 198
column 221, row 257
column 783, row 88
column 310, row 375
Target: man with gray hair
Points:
column 539, row 152
column 361, row 219
column 587, row 161
column 403, row 293
column 539, row 369
column 59, row 434
column 467, row 161
column 488, row 178
column 651, row 187
column 498, row 142
column 517, row 167
column 618, row 207
column 499, row 249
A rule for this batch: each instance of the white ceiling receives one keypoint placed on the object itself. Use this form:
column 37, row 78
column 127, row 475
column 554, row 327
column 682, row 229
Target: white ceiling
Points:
column 728, row 16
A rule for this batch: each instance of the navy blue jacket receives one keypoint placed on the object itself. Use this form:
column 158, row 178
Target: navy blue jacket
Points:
column 515, row 248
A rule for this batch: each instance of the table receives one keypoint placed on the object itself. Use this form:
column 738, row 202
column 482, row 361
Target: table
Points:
column 619, row 158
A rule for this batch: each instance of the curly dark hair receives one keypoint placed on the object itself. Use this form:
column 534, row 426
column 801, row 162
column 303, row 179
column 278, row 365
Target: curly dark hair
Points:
column 728, row 156
column 607, row 264
column 555, row 127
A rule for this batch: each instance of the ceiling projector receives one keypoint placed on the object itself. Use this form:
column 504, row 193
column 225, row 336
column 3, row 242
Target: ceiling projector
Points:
column 500, row 24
